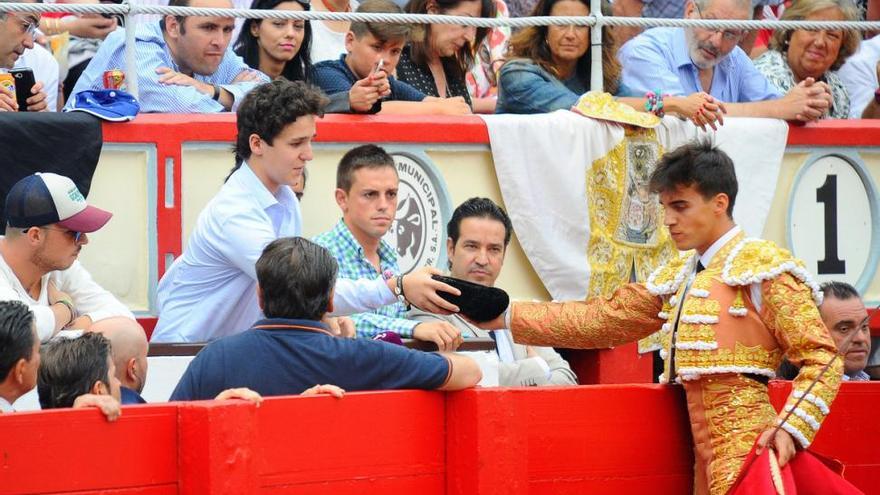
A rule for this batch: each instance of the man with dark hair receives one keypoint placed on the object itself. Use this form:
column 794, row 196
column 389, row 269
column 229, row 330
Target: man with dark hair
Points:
column 479, row 233
column 185, row 64
column 729, row 310
column 19, row 353
column 209, row 292
column 366, row 192
column 72, row 367
column 295, row 350
column 364, row 72
column 845, row 316
column 48, row 224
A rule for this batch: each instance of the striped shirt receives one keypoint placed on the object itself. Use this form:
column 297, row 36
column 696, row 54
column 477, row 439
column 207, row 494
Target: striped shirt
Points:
column 152, row 52
column 353, row 264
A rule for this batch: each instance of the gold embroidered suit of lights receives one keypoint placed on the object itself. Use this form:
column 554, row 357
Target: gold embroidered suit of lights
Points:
column 737, row 410
column 793, row 318
column 626, row 231
column 695, row 333
column 629, row 314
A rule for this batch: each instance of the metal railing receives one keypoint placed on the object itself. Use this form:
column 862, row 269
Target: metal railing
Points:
column 130, row 11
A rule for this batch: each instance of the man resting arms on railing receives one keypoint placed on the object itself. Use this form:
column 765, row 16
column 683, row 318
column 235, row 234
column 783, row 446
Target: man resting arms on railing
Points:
column 184, row 64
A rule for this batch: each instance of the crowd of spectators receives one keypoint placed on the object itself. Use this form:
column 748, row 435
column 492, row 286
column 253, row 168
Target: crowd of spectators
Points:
column 192, row 64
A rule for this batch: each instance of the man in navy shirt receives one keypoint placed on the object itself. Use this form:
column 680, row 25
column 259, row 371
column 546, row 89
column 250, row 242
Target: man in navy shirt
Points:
column 373, row 52
column 291, row 350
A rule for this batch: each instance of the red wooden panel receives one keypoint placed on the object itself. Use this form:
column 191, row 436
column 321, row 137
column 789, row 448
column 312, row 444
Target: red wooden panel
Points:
column 595, row 439
column 217, row 447
column 169, row 489
column 73, row 451
column 378, row 442
column 623, row 364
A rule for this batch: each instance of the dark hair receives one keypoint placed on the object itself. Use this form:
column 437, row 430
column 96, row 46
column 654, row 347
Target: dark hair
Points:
column 478, row 208
column 247, row 46
column 382, row 31
column 364, row 156
column 296, row 277
column 531, row 43
column 180, row 18
column 271, row 107
column 696, row 164
column 455, row 67
column 70, row 367
column 839, row 290
column 16, row 335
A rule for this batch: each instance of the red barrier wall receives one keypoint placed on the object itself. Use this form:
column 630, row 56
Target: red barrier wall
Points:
column 622, row 439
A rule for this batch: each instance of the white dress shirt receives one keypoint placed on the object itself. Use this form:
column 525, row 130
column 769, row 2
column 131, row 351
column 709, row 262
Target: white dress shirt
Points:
column 210, row 291
column 89, row 298
column 5, row 406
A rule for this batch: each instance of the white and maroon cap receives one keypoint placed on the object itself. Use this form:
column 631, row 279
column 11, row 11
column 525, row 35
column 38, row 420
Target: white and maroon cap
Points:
column 46, row 198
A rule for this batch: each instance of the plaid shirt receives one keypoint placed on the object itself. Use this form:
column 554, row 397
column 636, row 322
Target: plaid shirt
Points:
column 354, row 265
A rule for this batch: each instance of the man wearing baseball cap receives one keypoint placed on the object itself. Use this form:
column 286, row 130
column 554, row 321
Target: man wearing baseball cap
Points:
column 48, row 220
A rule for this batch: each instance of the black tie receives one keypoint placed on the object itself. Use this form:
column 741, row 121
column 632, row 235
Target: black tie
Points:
column 700, row 266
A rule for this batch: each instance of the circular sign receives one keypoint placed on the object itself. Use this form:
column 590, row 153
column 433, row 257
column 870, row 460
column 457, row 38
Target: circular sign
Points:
column 418, row 232
column 832, row 221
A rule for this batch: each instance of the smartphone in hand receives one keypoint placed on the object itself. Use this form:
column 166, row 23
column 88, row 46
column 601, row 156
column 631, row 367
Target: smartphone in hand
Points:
column 24, row 82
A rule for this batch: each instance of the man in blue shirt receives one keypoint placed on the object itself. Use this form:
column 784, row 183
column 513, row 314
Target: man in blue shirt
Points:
column 682, row 61
column 184, row 64
column 291, row 350
column 366, row 192
column 365, row 71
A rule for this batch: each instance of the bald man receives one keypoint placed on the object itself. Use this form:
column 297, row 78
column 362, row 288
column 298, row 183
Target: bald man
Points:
column 129, row 350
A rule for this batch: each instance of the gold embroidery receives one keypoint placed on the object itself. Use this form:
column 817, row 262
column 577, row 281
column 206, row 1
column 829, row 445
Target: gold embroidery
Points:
column 797, row 326
column 742, row 357
column 688, row 332
column 626, row 238
column 737, row 410
column 604, row 106
column 701, row 306
column 738, row 307
column 630, row 314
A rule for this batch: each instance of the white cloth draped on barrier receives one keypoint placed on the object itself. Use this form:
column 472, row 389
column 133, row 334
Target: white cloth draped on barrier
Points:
column 542, row 160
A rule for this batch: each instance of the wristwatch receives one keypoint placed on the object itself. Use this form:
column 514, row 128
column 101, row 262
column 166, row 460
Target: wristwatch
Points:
column 216, row 96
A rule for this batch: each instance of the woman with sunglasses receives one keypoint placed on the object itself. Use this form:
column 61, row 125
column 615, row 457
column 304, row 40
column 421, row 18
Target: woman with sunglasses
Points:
column 280, row 48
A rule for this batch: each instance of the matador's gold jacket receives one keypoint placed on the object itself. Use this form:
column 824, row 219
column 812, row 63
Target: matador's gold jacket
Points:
column 750, row 306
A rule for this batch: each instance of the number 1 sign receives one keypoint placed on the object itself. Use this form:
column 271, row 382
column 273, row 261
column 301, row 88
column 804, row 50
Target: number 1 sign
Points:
column 833, row 219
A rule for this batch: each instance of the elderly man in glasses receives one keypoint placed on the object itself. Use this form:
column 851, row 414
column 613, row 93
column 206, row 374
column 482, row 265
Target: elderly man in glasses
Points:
column 17, row 30
column 48, row 221
column 681, row 61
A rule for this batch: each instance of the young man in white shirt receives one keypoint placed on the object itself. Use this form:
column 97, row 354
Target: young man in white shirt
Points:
column 210, row 291
column 48, row 220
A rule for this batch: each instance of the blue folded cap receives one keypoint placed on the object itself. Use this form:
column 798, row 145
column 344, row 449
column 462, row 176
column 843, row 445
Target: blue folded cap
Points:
column 107, row 104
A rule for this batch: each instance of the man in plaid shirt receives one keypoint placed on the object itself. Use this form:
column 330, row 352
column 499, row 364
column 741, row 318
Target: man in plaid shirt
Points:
column 366, row 192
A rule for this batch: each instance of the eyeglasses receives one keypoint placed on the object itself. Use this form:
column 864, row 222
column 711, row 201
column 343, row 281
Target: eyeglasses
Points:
column 30, row 24
column 729, row 35
column 76, row 236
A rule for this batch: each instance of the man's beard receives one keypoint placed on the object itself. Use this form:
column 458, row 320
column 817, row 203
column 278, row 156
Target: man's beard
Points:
column 695, row 51
column 46, row 265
